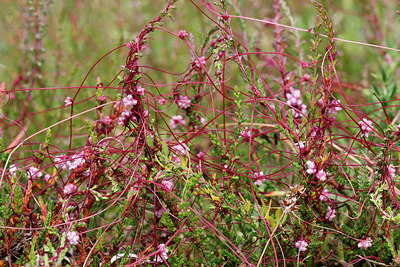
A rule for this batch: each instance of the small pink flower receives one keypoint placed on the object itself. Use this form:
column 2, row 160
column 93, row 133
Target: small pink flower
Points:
column 330, row 214
column 260, row 181
column 324, row 195
column 200, row 155
column 301, row 245
column 34, row 173
column 293, row 100
column 168, row 185
column 77, row 160
column 201, row 62
column 366, row 127
column 183, row 102
column 146, row 113
column 392, row 171
column 300, row 145
column 321, row 175
column 245, row 134
column 159, row 213
column 130, row 45
column 176, row 121
column 106, row 120
column 162, row 256
column 183, row 34
column 69, row 189
column 47, row 177
column 161, row 101
column 334, row 107
column 311, row 168
column 365, row 244
column 140, row 90
column 181, row 148
column 73, row 238
column 129, row 101
column 68, row 101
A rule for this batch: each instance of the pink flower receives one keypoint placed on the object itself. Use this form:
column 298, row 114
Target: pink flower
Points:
column 200, row 155
column 330, row 214
column 168, row 185
column 181, row 148
column 106, row 120
column 47, row 177
column 245, row 134
column 365, row 244
column 311, row 168
column 140, row 90
column 334, row 107
column 146, row 113
column 366, row 127
column 34, row 173
column 201, row 62
column 124, row 117
column 69, row 189
column 301, row 245
column 259, row 175
column 175, row 121
column 130, row 45
column 321, row 175
column 183, row 102
column 68, row 101
column 61, row 162
column 392, row 171
column 129, row 101
column 159, row 213
column 73, row 238
column 293, row 100
column 161, row 101
column 324, row 195
column 300, row 145
column 162, row 253
column 76, row 161
column 183, row 34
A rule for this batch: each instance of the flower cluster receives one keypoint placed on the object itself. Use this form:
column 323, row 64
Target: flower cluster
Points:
column 321, row 175
column 301, row 245
column 330, row 214
column 366, row 127
column 259, row 175
column 68, row 101
column 34, row 173
column 365, row 244
column 293, row 100
column 183, row 102
column 175, row 121
column 162, row 256
column 73, row 238
column 201, row 62
column 246, row 134
column 183, row 34
column 324, row 195
column 311, row 168
column 124, row 118
column 69, row 189
column 129, row 101
column 334, row 107
column 181, row 148
column 392, row 171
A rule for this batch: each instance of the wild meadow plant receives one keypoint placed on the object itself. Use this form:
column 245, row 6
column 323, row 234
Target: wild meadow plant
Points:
column 253, row 155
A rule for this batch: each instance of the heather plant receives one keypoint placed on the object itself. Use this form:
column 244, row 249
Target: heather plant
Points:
column 225, row 145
